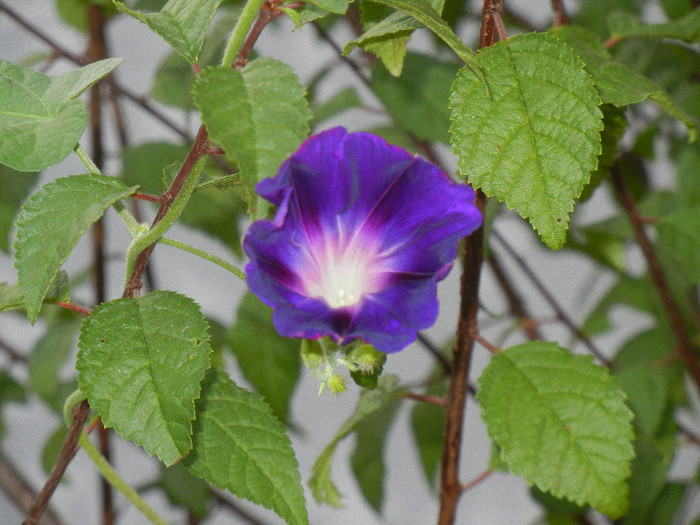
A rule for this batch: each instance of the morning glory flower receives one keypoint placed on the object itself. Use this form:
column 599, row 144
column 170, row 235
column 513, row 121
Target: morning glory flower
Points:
column 362, row 234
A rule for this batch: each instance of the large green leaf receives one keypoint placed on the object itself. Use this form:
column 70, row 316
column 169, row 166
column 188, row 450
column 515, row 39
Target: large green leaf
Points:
column 533, row 138
column 419, row 100
column 617, row 83
column 140, row 363
column 270, row 362
column 181, row 23
column 40, row 119
column 15, row 188
column 370, row 401
column 259, row 115
column 561, row 423
column 241, row 447
column 50, row 225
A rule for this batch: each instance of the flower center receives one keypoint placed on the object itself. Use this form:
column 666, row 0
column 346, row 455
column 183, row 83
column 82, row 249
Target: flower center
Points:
column 342, row 277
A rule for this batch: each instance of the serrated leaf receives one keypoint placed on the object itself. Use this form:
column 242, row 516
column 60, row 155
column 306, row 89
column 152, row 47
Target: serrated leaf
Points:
column 50, row 225
column 680, row 233
column 40, row 120
column 181, row 23
column 367, row 459
column 241, row 447
column 561, row 423
column 270, row 362
column 11, row 296
column 533, row 142
column 624, row 25
column 617, row 83
column 140, row 362
column 370, row 401
column 259, row 115
column 419, row 100
column 15, row 188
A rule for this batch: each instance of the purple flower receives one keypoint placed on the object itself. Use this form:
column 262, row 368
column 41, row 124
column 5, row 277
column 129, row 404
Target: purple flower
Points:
column 362, row 234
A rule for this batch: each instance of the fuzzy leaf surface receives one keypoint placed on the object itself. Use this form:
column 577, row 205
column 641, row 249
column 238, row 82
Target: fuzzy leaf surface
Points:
column 533, row 138
column 241, row 447
column 50, row 225
column 370, row 401
column 40, row 119
column 140, row 363
column 259, row 115
column 181, row 23
column 561, row 423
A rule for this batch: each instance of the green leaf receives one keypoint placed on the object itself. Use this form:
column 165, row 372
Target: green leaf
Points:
column 561, row 423
column 617, row 83
column 40, row 120
column 50, row 225
column 624, row 25
column 184, row 489
column 10, row 390
column 259, row 115
column 241, row 447
column 367, row 459
column 370, row 401
column 534, row 141
column 15, row 188
column 140, row 362
column 11, row 296
column 680, row 233
column 181, row 23
column 688, row 182
column 269, row 361
column 341, row 101
column 419, row 100
column 423, row 12
column 52, row 448
column 428, row 424
column 338, row 7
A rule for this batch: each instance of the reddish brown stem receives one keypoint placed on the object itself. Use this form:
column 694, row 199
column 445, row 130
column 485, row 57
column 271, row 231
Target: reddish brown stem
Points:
column 433, row 400
column 481, row 477
column 148, row 197
column 560, row 17
column 70, row 447
column 486, row 344
column 84, row 310
column 673, row 312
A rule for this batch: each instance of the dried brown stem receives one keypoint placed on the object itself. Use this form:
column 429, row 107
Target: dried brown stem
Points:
column 673, row 311
column 70, row 447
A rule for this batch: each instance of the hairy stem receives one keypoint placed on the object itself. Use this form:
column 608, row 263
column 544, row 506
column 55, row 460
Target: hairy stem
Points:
column 205, row 255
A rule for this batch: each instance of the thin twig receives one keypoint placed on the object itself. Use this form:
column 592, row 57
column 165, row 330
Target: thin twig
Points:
column 481, row 477
column 673, row 312
column 80, row 414
column 18, row 489
column 560, row 17
column 236, row 508
column 558, row 309
column 486, row 344
column 433, row 400
column 433, row 350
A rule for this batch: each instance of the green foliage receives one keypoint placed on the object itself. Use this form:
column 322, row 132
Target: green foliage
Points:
column 241, row 447
column 687, row 28
column 181, row 23
column 561, row 423
column 40, row 118
column 531, row 139
column 50, row 225
column 15, row 188
column 239, row 109
column 370, row 401
column 11, row 295
column 182, row 488
column 681, row 233
column 427, row 423
column 10, row 390
column 140, row 364
column 269, row 361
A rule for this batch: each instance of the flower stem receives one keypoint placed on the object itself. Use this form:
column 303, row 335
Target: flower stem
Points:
column 117, row 482
column 204, row 255
column 235, row 42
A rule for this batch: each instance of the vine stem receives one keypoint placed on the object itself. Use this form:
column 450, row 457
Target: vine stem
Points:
column 205, row 255
column 675, row 317
column 245, row 21
column 111, row 476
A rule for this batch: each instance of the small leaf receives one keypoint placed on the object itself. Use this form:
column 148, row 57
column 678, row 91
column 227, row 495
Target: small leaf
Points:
column 40, row 119
column 241, row 447
column 367, row 459
column 680, row 233
column 561, row 423
column 50, row 225
column 370, row 401
column 419, row 100
column 624, row 25
column 269, row 361
column 534, row 141
column 428, row 424
column 181, row 23
column 140, row 364
column 341, row 101
column 338, row 7
column 15, row 188
column 259, row 115
column 11, row 296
